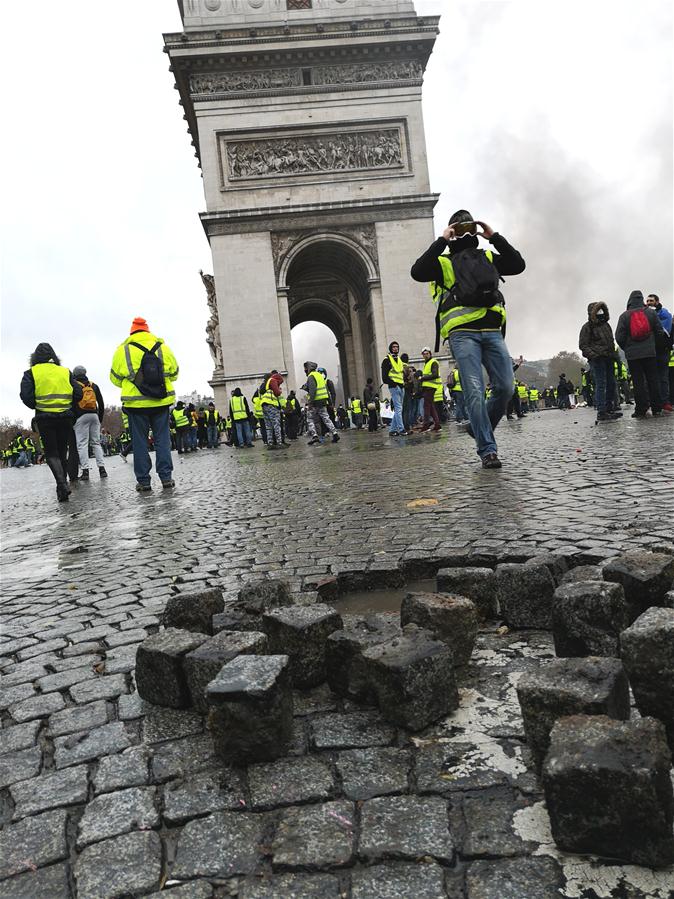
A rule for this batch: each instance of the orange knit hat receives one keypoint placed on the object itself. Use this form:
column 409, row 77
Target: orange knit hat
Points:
column 138, row 324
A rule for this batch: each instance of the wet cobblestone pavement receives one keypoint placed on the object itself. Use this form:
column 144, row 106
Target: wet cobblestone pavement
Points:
column 103, row 795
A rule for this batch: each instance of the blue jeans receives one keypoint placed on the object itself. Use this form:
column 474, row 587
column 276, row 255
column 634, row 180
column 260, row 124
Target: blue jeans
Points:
column 244, row 432
column 604, row 383
column 212, row 436
column 472, row 350
column 397, row 420
column 460, row 410
column 140, row 423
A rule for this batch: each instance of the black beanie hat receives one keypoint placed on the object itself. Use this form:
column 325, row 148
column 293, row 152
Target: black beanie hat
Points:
column 461, row 215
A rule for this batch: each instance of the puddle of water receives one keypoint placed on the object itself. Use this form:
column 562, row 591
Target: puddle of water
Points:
column 388, row 600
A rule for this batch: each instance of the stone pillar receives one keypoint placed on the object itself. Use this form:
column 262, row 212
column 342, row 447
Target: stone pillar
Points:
column 357, row 345
column 379, row 320
column 286, row 336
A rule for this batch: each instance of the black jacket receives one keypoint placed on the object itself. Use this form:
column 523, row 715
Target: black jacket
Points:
column 386, row 372
column 639, row 349
column 100, row 406
column 595, row 340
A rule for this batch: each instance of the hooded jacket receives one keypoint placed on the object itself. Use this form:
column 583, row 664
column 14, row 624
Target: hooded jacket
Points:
column 596, row 336
column 638, row 349
column 386, row 368
column 44, row 352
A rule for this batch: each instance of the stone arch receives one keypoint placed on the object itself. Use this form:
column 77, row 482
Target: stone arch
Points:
column 348, row 245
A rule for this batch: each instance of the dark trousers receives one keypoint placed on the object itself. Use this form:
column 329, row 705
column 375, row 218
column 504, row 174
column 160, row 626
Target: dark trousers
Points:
column 646, row 384
column 663, row 375
column 430, row 410
column 55, row 434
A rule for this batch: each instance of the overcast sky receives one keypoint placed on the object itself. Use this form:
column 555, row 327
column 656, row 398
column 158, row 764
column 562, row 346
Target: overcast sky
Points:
column 551, row 121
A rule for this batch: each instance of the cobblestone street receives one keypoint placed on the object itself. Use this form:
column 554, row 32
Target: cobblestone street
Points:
column 104, row 796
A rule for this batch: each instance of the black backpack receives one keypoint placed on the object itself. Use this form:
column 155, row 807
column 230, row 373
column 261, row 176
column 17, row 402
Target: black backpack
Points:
column 477, row 279
column 149, row 378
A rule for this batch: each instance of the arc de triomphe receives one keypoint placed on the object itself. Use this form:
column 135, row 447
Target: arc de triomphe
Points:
column 305, row 116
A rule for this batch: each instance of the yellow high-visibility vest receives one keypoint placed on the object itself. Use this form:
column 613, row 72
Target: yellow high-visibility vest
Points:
column 257, row 407
column 426, row 379
column 321, row 386
column 180, row 420
column 356, row 407
column 396, row 372
column 237, row 404
column 454, row 318
column 53, row 390
column 268, row 397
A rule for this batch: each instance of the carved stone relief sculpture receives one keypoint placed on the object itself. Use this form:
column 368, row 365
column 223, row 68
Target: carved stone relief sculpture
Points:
column 314, row 154
column 213, row 338
column 354, row 73
column 229, row 82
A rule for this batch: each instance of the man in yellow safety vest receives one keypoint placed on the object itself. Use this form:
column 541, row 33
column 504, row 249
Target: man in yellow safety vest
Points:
column 430, row 382
column 239, row 413
column 393, row 375
column 471, row 317
column 319, row 399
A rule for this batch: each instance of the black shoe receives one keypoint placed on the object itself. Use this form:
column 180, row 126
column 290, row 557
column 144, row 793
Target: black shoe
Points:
column 62, row 493
column 509, row 417
column 606, row 416
column 491, row 460
column 335, row 438
column 638, row 415
column 168, row 485
column 313, row 441
column 102, row 472
column 143, row 488
column 85, row 475
column 283, row 443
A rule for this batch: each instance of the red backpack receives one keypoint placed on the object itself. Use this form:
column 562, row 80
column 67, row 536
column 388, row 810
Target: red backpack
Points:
column 640, row 327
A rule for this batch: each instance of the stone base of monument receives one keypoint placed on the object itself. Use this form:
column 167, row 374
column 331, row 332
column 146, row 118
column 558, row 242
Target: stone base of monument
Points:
column 476, row 584
column 251, row 709
column 524, row 594
column 452, row 619
column 608, row 789
column 204, row 663
column 193, row 611
column 413, row 678
column 647, row 650
column 587, row 619
column 563, row 687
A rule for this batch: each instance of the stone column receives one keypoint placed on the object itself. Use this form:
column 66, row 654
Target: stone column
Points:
column 357, row 344
column 380, row 335
column 286, row 337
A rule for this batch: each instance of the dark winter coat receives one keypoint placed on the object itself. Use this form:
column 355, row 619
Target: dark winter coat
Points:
column 639, row 349
column 45, row 353
column 596, row 337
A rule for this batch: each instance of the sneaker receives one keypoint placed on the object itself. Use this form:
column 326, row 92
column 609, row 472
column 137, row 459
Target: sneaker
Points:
column 143, row 488
column 102, row 472
column 638, row 415
column 393, row 433
column 335, row 438
column 168, row 485
column 491, row 460
column 313, row 441
column 85, row 475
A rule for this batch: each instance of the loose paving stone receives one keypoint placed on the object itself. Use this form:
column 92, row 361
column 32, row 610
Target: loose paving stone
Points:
column 293, row 886
column 79, row 717
column 477, row 584
column 373, row 772
column 45, row 883
column 170, row 724
column 33, row 842
column 193, row 611
column 224, row 844
column 301, row 633
column 112, row 814
column 317, row 836
column 128, row 769
column 251, row 709
column 19, row 765
column 398, row 880
column 160, row 671
column 203, row 793
column 290, row 781
column 582, row 573
column 88, row 745
column 263, row 594
column 524, row 594
column 20, row 736
column 647, row 650
column 38, row 794
column 350, row 731
column 203, row 664
column 405, row 827
column 488, row 818
column 103, row 687
column 587, row 619
column 451, row 619
column 37, row 707
column 588, row 686
column 514, row 878
column 645, row 577
column 413, row 678
column 608, row 789
column 344, row 654
column 127, row 865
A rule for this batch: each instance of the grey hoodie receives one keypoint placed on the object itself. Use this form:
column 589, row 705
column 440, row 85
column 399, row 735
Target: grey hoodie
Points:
column 637, row 349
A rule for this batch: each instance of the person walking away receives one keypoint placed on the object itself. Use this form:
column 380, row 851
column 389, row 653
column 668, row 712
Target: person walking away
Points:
column 181, row 424
column 471, row 316
column 663, row 349
column 523, row 396
column 293, row 415
column 270, row 393
column 194, row 428
column 240, row 413
column 212, row 417
column 456, row 391
column 202, row 428
column 50, row 389
column 596, row 343
column 319, row 397
column 144, row 367
column 332, row 394
column 533, row 399
column 564, row 391
column 409, row 408
column 392, row 374
column 430, row 381
column 357, row 411
column 89, row 413
column 638, row 333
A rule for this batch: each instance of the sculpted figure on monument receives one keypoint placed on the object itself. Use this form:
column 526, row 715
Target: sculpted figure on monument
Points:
column 228, row 82
column 397, row 70
column 213, row 338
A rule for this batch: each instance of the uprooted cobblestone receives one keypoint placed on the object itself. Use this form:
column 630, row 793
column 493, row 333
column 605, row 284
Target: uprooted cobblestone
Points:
column 106, row 796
